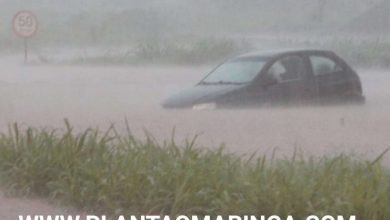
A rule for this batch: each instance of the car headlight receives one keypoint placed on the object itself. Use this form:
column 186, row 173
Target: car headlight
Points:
column 205, row 106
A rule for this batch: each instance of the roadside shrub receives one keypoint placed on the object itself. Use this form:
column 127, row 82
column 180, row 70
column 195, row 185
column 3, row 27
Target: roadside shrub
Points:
column 192, row 52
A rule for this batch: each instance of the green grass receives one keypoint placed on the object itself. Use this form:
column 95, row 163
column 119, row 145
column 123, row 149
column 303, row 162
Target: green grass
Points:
column 161, row 52
column 366, row 53
column 115, row 174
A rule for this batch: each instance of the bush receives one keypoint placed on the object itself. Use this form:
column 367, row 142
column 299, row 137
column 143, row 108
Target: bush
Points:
column 191, row 52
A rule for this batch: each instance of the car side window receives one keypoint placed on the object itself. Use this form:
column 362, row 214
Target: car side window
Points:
column 323, row 65
column 287, row 68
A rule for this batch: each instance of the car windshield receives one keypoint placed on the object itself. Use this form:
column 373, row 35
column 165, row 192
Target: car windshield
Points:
column 235, row 72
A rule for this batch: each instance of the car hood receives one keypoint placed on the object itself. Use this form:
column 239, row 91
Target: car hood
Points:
column 199, row 94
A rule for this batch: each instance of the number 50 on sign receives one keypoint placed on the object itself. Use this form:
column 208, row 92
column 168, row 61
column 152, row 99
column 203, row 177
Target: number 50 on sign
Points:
column 25, row 24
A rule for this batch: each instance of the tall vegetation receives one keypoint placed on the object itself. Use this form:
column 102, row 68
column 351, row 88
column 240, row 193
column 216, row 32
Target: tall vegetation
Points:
column 120, row 174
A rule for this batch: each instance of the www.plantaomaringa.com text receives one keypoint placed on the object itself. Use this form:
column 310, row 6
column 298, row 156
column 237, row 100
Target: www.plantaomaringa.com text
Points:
column 184, row 217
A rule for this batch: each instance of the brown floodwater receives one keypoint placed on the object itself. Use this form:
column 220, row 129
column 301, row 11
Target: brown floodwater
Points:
column 98, row 96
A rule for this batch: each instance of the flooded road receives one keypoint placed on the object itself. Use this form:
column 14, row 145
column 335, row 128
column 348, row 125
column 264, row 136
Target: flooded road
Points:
column 42, row 96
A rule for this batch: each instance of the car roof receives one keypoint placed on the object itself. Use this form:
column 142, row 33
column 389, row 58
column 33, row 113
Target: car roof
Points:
column 275, row 53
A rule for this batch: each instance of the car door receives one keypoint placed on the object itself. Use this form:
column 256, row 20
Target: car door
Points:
column 330, row 76
column 292, row 81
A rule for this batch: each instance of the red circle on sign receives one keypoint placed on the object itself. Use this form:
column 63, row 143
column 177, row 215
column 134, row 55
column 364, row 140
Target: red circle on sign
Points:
column 25, row 24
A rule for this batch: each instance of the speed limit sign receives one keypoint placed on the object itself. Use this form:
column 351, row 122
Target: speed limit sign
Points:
column 25, row 24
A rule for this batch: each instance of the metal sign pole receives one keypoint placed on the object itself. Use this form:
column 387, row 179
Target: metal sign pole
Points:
column 25, row 51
